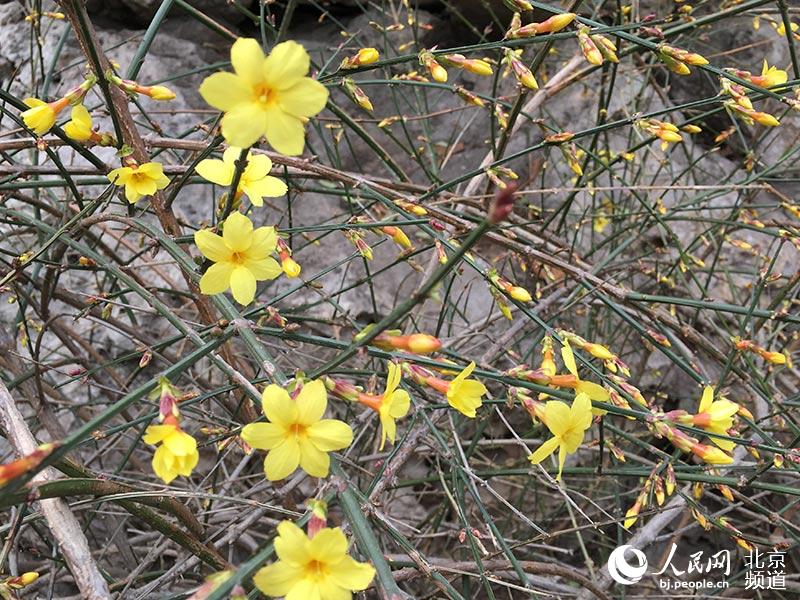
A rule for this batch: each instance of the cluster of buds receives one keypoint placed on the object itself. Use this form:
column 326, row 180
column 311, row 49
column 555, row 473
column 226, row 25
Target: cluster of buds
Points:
column 740, row 105
column 35, row 16
column 629, row 389
column 522, row 73
column 686, row 443
column 588, row 47
column 414, row 343
column 357, row 94
column 552, row 25
column 516, row 292
column 473, row 65
column 666, row 132
column 41, row 116
column 276, row 319
column 775, row 358
column 290, row 267
column 495, row 174
column 398, row 236
column 365, row 56
column 502, row 302
column 355, row 237
column 156, row 92
column 660, row 486
column 342, row 389
column 437, row 71
column 737, row 535
column 678, row 60
column 541, row 377
column 10, row 584
column 21, row 466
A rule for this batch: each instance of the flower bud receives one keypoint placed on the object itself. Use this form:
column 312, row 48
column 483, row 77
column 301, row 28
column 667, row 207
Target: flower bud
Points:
column 588, row 47
column 365, row 56
column 437, row 71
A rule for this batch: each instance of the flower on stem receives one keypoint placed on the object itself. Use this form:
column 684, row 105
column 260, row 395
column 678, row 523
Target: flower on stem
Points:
column 465, row 394
column 437, row 71
column 266, row 96
column 17, row 468
column 606, row 47
column 591, row 389
column 156, row 92
column 750, row 115
column 518, row 4
column 677, row 60
column 398, row 235
column 770, row 76
column 568, row 426
column 473, row 65
column 355, row 237
column 666, row 132
column 365, row 56
column 312, row 568
column 516, row 292
column 357, row 94
column 589, row 49
column 415, row 343
column 10, row 584
column 716, row 416
column 139, row 180
column 79, row 127
column 296, row 434
column 686, row 443
column 177, row 453
column 41, row 115
column 552, row 25
column 290, row 267
column 241, row 257
column 393, row 404
column 255, row 180
column 468, row 96
column 775, row 358
column 521, row 72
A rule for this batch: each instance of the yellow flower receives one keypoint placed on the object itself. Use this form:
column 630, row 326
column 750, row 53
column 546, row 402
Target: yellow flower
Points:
column 159, row 92
column 266, row 96
column 465, row 394
column 41, row 115
column 394, row 404
column 241, row 257
column 296, row 433
column 139, row 181
column 255, row 180
column 317, row 568
column 771, row 76
column 177, row 454
column 79, row 127
column 568, row 426
column 716, row 416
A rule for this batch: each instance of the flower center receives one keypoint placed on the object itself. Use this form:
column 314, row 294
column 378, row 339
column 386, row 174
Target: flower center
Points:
column 264, row 94
column 238, row 258
column 316, row 569
column 298, row 430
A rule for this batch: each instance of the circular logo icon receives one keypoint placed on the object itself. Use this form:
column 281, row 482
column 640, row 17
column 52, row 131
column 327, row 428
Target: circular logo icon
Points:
column 621, row 570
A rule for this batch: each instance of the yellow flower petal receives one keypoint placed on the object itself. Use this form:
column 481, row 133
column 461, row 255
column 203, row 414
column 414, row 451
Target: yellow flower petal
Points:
column 245, row 123
column 282, row 460
column 311, row 402
column 291, row 544
column 544, row 451
column 271, row 187
column 556, row 417
column 266, row 268
column 285, row 65
column 238, row 232
column 568, row 356
column 278, row 407
column 399, row 404
column 212, row 245
column 707, row 399
column 263, row 436
column 329, row 435
column 278, row 578
column 352, row 575
column 306, row 98
column 215, row 171
column 328, row 546
column 581, row 411
column 162, row 465
column 247, row 59
column 243, row 285
column 285, row 132
column 258, row 165
column 224, row 91
column 155, row 434
column 217, row 278
column 264, row 241
column 313, row 461
column 180, row 443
